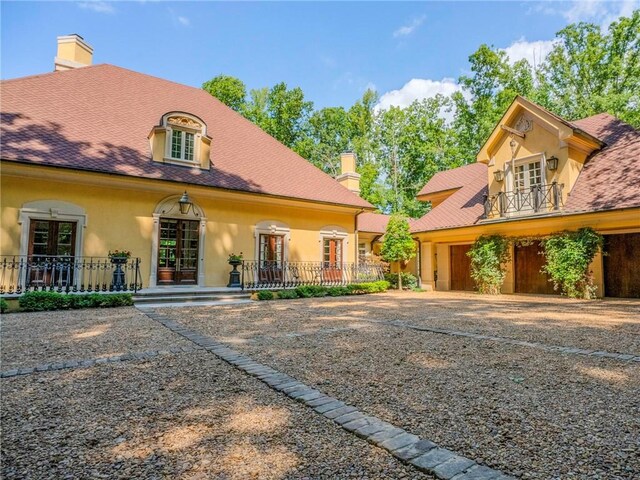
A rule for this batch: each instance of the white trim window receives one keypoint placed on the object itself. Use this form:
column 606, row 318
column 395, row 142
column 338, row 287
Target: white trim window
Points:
column 182, row 145
column 184, row 134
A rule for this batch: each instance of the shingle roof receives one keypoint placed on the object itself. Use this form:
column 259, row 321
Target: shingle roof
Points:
column 373, row 222
column 98, row 118
column 464, row 206
column 610, row 179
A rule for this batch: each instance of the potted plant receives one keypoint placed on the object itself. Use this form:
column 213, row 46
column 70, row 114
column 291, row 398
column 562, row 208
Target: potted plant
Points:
column 119, row 258
column 234, row 275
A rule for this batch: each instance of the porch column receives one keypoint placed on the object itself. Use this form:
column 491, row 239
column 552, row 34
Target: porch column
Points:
column 428, row 266
column 444, row 266
column 509, row 285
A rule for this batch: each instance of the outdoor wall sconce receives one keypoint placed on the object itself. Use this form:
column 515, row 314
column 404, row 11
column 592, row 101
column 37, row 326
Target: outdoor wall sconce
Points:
column 498, row 175
column 552, row 163
column 185, row 203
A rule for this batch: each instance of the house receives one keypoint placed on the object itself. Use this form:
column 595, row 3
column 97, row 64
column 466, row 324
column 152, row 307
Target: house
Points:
column 538, row 174
column 97, row 158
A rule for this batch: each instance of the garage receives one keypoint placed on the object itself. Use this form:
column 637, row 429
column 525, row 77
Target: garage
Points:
column 622, row 265
column 461, row 268
column 528, row 263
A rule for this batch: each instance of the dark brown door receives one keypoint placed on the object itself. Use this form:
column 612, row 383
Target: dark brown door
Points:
column 528, row 263
column 622, row 265
column 52, row 246
column 461, row 268
column 332, row 260
column 271, row 257
column 178, row 252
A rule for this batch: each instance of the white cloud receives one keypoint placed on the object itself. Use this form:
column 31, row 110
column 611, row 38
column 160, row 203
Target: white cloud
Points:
column 417, row 89
column 533, row 52
column 97, row 6
column 184, row 21
column 405, row 30
column 602, row 12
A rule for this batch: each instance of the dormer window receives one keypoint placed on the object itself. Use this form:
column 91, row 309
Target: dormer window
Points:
column 181, row 139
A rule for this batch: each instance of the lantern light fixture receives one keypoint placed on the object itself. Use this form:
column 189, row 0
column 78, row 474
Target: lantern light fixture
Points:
column 185, row 203
column 552, row 163
column 498, row 175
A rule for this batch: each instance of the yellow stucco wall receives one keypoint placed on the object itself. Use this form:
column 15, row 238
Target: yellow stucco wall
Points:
column 119, row 216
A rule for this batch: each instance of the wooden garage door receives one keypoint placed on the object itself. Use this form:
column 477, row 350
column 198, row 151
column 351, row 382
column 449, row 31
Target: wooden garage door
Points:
column 622, row 265
column 460, row 268
column 528, row 263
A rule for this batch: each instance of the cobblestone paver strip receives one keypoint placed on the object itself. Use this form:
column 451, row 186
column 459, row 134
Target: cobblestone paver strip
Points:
column 425, row 455
column 47, row 367
column 510, row 341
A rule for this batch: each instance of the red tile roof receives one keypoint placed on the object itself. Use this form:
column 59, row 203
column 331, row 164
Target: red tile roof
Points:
column 461, row 208
column 98, row 118
column 373, row 222
column 610, row 179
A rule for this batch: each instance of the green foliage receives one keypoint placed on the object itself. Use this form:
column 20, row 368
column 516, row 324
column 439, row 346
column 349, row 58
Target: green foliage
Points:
column 409, row 281
column 308, row 291
column 568, row 256
column 397, row 244
column 369, row 287
column 338, row 291
column 43, row 301
column 489, row 255
column 4, row 306
column 265, row 295
column 287, row 294
column 229, row 90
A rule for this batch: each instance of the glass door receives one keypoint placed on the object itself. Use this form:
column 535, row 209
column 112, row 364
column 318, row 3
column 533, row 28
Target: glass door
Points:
column 527, row 183
column 332, row 260
column 52, row 247
column 178, row 252
column 271, row 255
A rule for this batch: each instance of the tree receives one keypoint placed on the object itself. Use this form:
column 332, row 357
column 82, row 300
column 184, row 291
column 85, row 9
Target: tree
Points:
column 229, row 90
column 398, row 245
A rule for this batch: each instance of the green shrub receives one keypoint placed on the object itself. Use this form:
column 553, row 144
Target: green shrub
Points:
column 489, row 256
column 265, row 295
column 43, row 301
column 287, row 294
column 409, row 281
column 568, row 256
column 371, row 287
column 308, row 291
column 337, row 291
column 3, row 305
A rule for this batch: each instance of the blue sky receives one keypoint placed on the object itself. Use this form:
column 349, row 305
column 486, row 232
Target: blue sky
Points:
column 334, row 51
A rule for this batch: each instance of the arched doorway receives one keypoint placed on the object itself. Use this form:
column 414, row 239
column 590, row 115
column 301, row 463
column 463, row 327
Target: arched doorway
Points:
column 177, row 256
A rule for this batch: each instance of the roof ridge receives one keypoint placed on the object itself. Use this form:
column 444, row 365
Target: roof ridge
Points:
column 55, row 72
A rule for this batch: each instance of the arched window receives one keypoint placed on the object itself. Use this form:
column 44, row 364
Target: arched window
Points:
column 181, row 139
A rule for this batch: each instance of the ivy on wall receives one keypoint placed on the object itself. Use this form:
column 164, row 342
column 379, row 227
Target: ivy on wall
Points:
column 568, row 256
column 489, row 256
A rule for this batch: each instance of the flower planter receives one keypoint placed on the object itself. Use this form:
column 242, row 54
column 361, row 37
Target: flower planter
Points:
column 234, row 275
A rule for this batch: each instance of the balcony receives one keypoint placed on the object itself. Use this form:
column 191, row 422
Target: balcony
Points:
column 535, row 200
column 257, row 275
column 21, row 274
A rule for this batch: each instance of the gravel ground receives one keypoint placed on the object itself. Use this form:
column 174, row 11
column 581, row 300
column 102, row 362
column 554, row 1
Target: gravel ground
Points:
column 186, row 416
column 30, row 339
column 611, row 325
column 527, row 412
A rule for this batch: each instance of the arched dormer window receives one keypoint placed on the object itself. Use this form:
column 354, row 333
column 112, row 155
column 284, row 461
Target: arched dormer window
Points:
column 181, row 139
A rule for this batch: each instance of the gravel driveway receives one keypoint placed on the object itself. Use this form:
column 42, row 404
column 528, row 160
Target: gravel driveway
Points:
column 531, row 413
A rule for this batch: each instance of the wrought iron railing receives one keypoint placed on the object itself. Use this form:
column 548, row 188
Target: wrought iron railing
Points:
column 269, row 275
column 537, row 199
column 20, row 274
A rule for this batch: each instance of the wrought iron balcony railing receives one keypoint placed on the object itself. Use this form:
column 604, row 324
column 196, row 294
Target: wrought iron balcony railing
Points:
column 537, row 199
column 20, row 274
column 268, row 275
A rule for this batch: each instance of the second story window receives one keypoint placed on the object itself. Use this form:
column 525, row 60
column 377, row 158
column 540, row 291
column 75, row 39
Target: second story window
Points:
column 182, row 145
column 528, row 175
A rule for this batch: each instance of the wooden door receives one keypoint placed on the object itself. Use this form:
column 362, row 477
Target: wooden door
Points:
column 460, row 268
column 271, row 258
column 622, row 265
column 178, row 252
column 332, row 260
column 52, row 248
column 528, row 263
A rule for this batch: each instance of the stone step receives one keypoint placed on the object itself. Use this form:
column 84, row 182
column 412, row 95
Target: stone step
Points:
column 186, row 298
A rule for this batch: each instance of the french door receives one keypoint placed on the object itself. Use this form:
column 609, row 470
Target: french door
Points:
column 332, row 260
column 527, row 176
column 52, row 246
column 271, row 257
column 178, row 252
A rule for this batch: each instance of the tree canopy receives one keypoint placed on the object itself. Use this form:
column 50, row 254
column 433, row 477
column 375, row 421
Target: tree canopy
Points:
column 589, row 71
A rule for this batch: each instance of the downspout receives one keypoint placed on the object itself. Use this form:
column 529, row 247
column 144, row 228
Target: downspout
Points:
column 355, row 230
column 419, row 259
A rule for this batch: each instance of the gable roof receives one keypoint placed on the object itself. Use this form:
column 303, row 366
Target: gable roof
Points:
column 373, row 222
column 610, row 179
column 461, row 208
column 98, row 119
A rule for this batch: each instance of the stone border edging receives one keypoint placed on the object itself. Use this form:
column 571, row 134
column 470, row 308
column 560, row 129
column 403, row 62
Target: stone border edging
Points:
column 423, row 454
column 69, row 364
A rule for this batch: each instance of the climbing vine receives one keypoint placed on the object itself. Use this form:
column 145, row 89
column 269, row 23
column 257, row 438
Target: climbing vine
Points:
column 568, row 257
column 489, row 256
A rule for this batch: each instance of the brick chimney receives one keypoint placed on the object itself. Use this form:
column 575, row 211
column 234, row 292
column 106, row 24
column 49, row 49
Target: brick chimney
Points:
column 348, row 177
column 73, row 52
